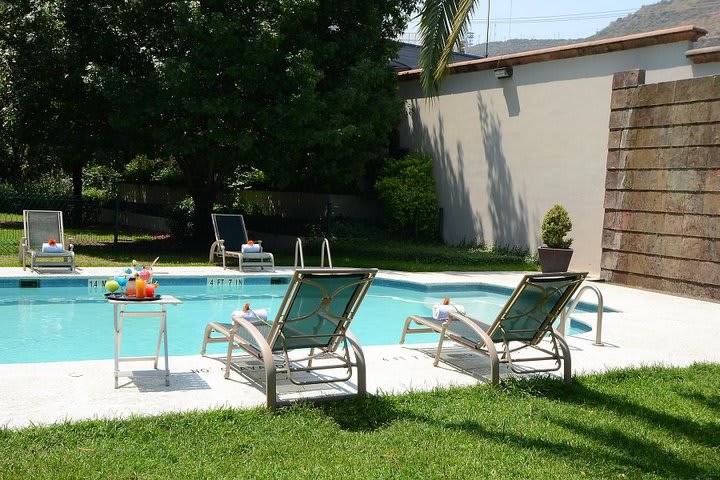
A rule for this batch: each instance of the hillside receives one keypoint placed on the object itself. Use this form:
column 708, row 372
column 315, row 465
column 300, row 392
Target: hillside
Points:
column 664, row 14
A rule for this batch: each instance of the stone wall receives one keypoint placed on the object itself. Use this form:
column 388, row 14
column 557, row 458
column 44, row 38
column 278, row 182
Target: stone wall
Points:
column 662, row 203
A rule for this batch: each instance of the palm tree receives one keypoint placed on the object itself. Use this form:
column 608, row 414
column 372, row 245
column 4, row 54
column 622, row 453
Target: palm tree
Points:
column 443, row 24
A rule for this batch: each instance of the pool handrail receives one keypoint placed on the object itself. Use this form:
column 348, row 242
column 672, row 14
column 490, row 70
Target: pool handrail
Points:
column 325, row 247
column 598, row 323
column 299, row 256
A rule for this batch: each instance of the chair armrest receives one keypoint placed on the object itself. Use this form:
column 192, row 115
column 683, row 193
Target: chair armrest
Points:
column 221, row 245
column 71, row 241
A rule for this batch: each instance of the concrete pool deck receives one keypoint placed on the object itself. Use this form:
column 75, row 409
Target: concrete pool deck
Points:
column 646, row 328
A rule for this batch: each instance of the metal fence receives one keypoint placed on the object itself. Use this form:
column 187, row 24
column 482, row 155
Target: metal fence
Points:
column 117, row 226
column 89, row 222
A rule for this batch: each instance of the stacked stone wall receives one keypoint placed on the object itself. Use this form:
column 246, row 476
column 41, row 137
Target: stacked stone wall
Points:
column 662, row 202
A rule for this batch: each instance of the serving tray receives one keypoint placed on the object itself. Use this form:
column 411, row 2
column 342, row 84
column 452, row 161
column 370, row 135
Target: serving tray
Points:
column 125, row 298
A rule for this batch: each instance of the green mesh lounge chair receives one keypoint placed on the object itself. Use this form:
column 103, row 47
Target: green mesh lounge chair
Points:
column 39, row 227
column 230, row 235
column 525, row 320
column 312, row 322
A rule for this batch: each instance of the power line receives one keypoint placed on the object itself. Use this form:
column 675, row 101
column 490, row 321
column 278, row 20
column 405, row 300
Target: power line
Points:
column 556, row 18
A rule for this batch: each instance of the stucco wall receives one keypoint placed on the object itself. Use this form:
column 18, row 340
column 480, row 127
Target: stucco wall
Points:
column 662, row 206
column 507, row 150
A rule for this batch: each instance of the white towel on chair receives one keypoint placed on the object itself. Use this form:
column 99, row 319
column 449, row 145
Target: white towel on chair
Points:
column 250, row 248
column 440, row 312
column 57, row 248
column 257, row 316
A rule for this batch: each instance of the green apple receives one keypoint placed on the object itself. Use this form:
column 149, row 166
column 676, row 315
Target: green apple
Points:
column 111, row 285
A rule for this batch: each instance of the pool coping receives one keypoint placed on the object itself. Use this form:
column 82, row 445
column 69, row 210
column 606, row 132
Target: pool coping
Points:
column 646, row 328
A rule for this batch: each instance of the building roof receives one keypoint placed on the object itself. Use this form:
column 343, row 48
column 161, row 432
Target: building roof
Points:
column 408, row 58
column 657, row 37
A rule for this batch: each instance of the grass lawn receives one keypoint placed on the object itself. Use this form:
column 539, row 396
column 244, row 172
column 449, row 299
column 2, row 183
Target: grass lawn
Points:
column 647, row 423
column 94, row 248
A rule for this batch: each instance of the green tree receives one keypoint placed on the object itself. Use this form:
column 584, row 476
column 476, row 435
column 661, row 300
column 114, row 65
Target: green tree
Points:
column 443, row 23
column 228, row 83
column 406, row 189
column 300, row 89
column 52, row 113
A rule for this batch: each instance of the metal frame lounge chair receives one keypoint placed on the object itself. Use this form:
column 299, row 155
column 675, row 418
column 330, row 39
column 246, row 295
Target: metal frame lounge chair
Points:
column 230, row 236
column 39, row 227
column 313, row 322
column 525, row 320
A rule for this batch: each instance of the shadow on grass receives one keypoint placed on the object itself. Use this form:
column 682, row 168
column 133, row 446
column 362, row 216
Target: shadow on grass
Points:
column 170, row 251
column 629, row 443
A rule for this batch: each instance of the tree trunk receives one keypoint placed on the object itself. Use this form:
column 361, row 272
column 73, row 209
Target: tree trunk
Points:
column 76, row 212
column 77, row 172
column 204, row 199
column 201, row 181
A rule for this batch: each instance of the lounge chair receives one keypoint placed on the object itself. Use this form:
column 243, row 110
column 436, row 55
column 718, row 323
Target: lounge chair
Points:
column 230, row 236
column 526, row 319
column 40, row 227
column 313, row 321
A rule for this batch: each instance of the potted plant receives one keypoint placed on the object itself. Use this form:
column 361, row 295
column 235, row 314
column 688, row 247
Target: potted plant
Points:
column 556, row 254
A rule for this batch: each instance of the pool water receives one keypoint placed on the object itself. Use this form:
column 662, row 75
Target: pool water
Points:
column 76, row 323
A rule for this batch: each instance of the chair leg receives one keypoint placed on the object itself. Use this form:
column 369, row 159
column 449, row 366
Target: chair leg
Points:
column 205, row 340
column 439, row 349
column 405, row 330
column 212, row 252
column 228, row 359
column 270, row 381
column 567, row 362
column 359, row 364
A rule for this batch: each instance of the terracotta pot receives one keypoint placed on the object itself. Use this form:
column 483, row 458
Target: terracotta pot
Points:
column 554, row 259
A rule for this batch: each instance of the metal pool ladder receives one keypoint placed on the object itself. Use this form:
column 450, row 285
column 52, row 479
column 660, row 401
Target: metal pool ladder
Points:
column 598, row 323
column 300, row 258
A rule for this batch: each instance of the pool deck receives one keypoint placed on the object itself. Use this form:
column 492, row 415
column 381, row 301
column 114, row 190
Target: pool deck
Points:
column 647, row 328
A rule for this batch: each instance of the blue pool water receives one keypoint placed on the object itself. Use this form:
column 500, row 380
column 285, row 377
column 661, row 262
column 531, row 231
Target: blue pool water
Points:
column 57, row 322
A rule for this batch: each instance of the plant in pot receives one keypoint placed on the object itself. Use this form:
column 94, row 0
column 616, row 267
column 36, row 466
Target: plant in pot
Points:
column 556, row 254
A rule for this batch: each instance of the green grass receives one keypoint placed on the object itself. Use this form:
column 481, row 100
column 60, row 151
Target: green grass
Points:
column 386, row 254
column 647, row 423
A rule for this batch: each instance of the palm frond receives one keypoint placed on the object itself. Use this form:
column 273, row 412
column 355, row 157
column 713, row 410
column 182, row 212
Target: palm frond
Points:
column 443, row 23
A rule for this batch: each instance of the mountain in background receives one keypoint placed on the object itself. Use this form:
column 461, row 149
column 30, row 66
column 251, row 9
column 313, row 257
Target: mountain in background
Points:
column 665, row 14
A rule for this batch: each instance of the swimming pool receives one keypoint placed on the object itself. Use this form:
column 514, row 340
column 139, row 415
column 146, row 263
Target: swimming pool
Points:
column 60, row 319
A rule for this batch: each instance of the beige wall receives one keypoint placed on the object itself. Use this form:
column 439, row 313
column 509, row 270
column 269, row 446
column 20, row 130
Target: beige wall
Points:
column 507, row 150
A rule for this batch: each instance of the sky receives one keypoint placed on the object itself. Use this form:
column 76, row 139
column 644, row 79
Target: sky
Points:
column 545, row 18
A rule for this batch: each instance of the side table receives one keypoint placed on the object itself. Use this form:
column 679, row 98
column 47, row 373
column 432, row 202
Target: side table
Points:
column 146, row 308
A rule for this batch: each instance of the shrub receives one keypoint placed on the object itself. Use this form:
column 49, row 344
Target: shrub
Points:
column 97, row 195
column 49, row 184
column 100, row 178
column 555, row 226
column 142, row 169
column 406, row 189
column 180, row 219
column 168, row 173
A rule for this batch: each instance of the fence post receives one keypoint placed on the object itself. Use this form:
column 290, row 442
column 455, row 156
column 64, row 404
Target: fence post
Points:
column 116, row 244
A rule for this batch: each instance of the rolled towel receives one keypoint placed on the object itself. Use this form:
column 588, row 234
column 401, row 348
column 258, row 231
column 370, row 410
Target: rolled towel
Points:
column 250, row 248
column 440, row 312
column 257, row 316
column 57, row 248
